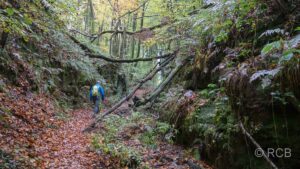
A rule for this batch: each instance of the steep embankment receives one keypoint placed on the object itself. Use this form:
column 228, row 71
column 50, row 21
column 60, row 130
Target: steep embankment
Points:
column 42, row 75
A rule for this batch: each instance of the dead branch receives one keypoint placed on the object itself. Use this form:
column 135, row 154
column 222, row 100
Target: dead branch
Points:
column 149, row 16
column 92, row 54
column 131, row 33
column 113, row 31
column 162, row 86
column 100, row 56
column 82, row 46
column 99, row 35
column 257, row 145
column 82, row 33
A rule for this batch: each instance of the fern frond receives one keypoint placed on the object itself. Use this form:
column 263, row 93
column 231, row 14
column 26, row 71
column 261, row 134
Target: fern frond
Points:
column 272, row 32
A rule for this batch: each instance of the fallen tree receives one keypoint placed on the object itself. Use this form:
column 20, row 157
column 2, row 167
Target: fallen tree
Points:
column 92, row 54
column 82, row 33
column 162, row 86
column 101, row 56
column 148, row 77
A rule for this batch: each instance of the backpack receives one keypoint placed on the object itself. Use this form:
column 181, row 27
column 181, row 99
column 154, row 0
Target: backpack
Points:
column 95, row 90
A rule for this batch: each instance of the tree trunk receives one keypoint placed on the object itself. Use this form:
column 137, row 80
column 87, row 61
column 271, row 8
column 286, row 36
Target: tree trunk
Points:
column 141, row 27
column 111, row 38
column 132, row 38
column 100, row 30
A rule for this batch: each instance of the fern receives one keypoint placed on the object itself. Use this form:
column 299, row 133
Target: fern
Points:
column 268, row 48
column 263, row 73
column 272, row 32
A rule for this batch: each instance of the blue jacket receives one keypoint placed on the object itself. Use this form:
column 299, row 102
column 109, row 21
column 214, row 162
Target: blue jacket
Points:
column 100, row 90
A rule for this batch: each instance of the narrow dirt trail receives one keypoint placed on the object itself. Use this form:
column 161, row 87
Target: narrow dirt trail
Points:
column 67, row 146
column 64, row 145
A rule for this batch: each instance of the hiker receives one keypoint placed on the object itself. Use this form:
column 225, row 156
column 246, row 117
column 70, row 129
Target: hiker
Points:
column 96, row 92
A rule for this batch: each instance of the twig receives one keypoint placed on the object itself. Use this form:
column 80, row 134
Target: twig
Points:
column 257, row 145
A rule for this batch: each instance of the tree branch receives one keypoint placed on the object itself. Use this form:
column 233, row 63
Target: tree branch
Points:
column 162, row 86
column 150, row 16
column 113, row 31
column 257, row 145
column 131, row 33
column 82, row 33
column 100, row 56
column 92, row 54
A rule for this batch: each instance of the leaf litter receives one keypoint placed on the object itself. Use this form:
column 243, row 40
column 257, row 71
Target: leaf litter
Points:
column 34, row 137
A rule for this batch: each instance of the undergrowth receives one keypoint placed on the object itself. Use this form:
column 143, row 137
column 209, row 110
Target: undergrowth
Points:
column 212, row 123
column 138, row 127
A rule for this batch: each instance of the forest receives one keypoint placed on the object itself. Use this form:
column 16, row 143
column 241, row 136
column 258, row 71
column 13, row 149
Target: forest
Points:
column 142, row 84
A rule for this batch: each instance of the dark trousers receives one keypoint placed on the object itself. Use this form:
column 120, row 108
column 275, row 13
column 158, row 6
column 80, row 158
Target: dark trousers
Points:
column 96, row 101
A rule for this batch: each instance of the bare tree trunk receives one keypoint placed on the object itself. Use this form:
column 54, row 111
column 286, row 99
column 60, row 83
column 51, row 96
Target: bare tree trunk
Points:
column 141, row 27
column 100, row 30
column 124, row 43
column 132, row 38
column 119, row 44
column 92, row 17
column 110, row 40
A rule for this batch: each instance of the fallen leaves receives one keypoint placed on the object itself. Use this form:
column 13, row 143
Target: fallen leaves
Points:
column 36, row 138
column 31, row 133
column 68, row 146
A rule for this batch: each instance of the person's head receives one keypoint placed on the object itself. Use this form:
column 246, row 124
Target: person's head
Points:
column 98, row 82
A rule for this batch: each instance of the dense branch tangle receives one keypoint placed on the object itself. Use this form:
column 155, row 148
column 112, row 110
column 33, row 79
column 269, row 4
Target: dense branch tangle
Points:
column 126, row 30
column 148, row 77
column 158, row 67
column 123, row 31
